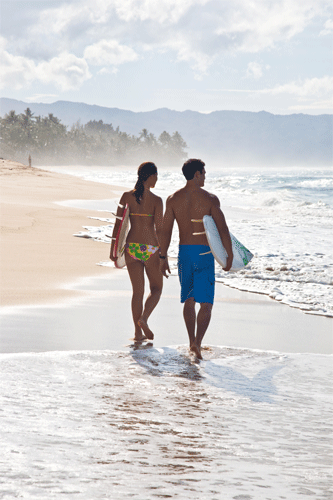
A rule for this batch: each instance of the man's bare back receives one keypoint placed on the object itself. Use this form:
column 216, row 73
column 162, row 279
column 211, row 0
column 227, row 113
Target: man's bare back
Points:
column 190, row 204
column 189, row 207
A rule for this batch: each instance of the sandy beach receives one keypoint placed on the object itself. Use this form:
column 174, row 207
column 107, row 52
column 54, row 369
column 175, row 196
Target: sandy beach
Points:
column 39, row 254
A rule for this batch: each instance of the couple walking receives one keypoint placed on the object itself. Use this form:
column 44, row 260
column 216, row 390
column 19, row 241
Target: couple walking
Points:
column 149, row 238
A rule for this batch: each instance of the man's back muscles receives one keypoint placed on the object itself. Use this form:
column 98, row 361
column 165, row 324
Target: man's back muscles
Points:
column 189, row 206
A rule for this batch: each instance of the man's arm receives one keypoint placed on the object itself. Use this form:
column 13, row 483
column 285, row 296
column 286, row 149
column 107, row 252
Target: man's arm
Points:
column 223, row 230
column 168, row 220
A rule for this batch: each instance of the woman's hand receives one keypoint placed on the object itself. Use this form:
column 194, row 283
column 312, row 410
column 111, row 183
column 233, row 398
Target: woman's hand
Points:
column 111, row 255
column 164, row 267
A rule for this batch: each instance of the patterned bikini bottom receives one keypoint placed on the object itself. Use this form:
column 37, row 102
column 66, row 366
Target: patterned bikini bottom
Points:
column 140, row 251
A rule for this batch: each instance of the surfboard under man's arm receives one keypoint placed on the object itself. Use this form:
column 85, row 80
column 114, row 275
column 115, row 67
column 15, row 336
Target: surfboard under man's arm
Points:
column 223, row 230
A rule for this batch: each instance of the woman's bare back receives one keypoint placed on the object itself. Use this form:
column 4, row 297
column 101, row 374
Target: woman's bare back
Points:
column 143, row 217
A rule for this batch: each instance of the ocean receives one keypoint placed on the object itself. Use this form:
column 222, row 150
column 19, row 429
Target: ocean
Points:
column 151, row 422
column 284, row 216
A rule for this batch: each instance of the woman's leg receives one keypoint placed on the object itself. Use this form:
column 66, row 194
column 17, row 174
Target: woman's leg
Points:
column 135, row 270
column 155, row 277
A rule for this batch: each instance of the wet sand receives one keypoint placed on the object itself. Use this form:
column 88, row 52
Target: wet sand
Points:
column 100, row 319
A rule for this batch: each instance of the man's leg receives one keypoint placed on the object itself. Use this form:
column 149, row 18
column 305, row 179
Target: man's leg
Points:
column 190, row 319
column 203, row 320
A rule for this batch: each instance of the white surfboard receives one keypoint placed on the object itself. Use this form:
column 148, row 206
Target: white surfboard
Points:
column 119, row 246
column 242, row 255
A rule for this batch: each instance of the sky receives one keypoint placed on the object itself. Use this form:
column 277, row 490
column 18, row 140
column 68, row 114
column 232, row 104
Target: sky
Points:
column 141, row 55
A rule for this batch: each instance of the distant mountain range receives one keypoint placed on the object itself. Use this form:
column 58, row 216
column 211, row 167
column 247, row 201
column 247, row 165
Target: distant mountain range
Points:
column 221, row 137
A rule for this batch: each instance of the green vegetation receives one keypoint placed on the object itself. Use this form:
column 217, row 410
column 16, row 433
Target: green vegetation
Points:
column 49, row 142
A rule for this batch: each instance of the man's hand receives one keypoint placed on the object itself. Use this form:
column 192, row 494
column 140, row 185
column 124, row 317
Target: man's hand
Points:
column 164, row 267
column 229, row 263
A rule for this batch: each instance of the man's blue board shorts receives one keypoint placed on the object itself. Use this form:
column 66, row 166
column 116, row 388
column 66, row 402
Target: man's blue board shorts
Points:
column 196, row 273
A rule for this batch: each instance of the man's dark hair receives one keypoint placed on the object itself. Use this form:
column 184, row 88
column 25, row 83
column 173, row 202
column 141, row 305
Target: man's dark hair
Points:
column 192, row 166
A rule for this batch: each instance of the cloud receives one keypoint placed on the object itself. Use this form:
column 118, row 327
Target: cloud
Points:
column 16, row 71
column 254, row 70
column 325, row 105
column 196, row 31
column 309, row 88
column 258, row 25
column 47, row 98
column 109, row 52
column 328, row 28
column 108, row 71
column 162, row 11
column 65, row 71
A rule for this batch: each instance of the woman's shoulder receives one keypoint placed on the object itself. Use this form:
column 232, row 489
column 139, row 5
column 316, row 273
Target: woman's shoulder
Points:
column 155, row 198
column 127, row 195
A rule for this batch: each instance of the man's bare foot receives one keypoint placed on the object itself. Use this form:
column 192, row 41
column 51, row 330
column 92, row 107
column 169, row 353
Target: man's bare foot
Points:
column 196, row 350
column 143, row 324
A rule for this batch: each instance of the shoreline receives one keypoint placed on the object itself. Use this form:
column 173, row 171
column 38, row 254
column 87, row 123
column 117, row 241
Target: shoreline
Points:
column 100, row 320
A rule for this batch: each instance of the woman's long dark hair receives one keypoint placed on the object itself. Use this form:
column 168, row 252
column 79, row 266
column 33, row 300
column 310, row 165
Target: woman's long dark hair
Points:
column 144, row 171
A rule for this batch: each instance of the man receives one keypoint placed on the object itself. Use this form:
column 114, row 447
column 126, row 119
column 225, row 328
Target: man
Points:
column 195, row 261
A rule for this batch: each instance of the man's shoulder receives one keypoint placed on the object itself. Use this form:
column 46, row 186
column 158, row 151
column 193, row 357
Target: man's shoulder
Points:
column 176, row 195
column 184, row 192
column 207, row 195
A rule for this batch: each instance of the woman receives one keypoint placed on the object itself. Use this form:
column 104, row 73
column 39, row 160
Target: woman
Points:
column 142, row 246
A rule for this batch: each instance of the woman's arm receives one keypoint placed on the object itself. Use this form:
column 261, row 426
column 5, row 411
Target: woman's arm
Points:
column 168, row 221
column 158, row 218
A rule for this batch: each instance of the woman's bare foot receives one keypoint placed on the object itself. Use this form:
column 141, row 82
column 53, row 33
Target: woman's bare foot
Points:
column 139, row 337
column 143, row 324
column 197, row 351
